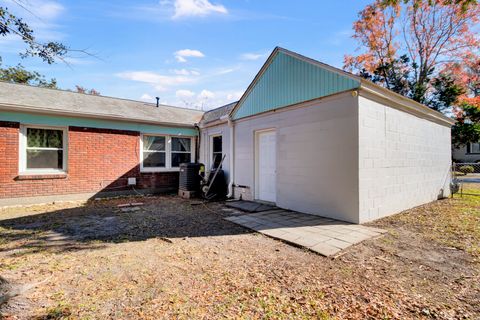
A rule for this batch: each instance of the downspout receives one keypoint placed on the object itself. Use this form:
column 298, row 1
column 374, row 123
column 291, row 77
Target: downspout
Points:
column 197, row 145
column 232, row 157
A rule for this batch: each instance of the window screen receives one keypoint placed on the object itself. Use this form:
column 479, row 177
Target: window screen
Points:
column 181, row 151
column 216, row 151
column 44, row 149
column 154, row 151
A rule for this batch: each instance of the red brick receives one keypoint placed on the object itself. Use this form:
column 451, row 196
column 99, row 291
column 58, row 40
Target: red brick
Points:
column 99, row 160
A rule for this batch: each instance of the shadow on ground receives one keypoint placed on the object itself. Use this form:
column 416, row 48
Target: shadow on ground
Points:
column 92, row 225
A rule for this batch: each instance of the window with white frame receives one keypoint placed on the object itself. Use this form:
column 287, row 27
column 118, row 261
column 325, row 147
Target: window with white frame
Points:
column 473, row 148
column 42, row 149
column 154, row 151
column 181, row 151
column 216, row 149
column 162, row 152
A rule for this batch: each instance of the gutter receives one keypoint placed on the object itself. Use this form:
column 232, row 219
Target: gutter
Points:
column 405, row 104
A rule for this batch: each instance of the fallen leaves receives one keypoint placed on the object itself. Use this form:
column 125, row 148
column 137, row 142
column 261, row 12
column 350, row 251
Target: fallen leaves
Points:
column 173, row 260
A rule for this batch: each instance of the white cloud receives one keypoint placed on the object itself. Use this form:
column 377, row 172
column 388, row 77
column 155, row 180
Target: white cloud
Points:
column 196, row 8
column 185, row 72
column 253, row 56
column 234, row 96
column 182, row 94
column 160, row 82
column 47, row 9
column 223, row 71
column 205, row 94
column 78, row 61
column 147, row 97
column 206, row 99
column 181, row 55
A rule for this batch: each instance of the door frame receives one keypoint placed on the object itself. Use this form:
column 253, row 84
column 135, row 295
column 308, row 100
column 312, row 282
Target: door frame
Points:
column 256, row 158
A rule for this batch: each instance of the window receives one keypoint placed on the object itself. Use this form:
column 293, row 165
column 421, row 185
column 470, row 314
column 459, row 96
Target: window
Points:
column 473, row 148
column 216, row 148
column 43, row 150
column 164, row 153
column 154, row 151
column 181, row 151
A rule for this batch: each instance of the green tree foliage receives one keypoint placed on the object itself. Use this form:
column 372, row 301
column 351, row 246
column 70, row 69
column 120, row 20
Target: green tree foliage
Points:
column 467, row 127
column 12, row 25
column 18, row 74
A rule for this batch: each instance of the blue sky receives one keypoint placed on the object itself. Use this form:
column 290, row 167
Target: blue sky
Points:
column 190, row 53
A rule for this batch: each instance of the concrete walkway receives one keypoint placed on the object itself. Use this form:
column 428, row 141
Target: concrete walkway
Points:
column 322, row 235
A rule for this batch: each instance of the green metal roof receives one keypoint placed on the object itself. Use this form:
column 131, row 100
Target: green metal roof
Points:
column 288, row 78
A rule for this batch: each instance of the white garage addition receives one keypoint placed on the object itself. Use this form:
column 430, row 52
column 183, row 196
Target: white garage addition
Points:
column 318, row 140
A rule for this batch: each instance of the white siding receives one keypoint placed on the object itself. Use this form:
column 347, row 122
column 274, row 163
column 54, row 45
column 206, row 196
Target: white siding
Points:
column 205, row 147
column 460, row 154
column 404, row 160
column 317, row 162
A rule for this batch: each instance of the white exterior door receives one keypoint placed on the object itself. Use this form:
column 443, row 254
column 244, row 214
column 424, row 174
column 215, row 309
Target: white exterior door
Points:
column 266, row 166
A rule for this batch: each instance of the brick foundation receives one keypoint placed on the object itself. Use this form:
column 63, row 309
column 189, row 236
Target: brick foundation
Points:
column 99, row 160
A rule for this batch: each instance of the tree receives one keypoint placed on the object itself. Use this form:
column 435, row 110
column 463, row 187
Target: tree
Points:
column 19, row 74
column 426, row 50
column 464, row 4
column 12, row 25
column 466, row 108
column 49, row 51
column 403, row 43
column 81, row 89
column 467, row 127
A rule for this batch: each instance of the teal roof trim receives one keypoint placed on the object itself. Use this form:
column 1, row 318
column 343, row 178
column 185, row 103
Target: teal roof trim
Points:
column 288, row 80
column 49, row 120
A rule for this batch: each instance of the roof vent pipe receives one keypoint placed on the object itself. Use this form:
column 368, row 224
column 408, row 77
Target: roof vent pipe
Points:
column 158, row 100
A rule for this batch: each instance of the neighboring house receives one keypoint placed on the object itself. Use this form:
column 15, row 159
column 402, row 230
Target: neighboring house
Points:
column 306, row 136
column 468, row 153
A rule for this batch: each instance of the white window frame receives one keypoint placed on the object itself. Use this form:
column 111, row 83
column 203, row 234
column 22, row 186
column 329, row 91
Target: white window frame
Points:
column 23, row 170
column 471, row 148
column 210, row 147
column 168, row 152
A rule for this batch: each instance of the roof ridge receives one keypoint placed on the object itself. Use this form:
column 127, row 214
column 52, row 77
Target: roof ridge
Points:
column 225, row 105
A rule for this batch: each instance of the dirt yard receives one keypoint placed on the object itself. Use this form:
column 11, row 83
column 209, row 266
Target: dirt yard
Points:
column 172, row 259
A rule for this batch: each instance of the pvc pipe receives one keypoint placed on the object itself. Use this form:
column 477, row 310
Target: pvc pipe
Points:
column 231, row 159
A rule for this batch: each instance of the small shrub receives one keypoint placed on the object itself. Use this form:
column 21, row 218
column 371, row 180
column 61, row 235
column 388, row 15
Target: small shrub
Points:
column 466, row 169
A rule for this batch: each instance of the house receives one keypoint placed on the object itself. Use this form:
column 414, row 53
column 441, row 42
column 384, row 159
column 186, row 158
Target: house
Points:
column 469, row 153
column 61, row 145
column 305, row 136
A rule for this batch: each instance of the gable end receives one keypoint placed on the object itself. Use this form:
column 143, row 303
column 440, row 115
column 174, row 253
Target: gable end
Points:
column 285, row 80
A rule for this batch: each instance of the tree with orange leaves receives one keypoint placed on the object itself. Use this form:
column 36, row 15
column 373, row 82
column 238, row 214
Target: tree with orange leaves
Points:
column 404, row 43
column 466, row 109
column 426, row 50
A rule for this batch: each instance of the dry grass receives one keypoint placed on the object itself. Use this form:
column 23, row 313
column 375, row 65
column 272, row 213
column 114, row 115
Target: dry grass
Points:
column 454, row 222
column 175, row 260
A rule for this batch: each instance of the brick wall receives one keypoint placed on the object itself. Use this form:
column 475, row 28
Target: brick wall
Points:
column 99, row 160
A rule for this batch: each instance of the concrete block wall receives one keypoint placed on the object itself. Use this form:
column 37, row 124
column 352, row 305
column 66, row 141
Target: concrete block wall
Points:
column 99, row 160
column 404, row 160
column 317, row 163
